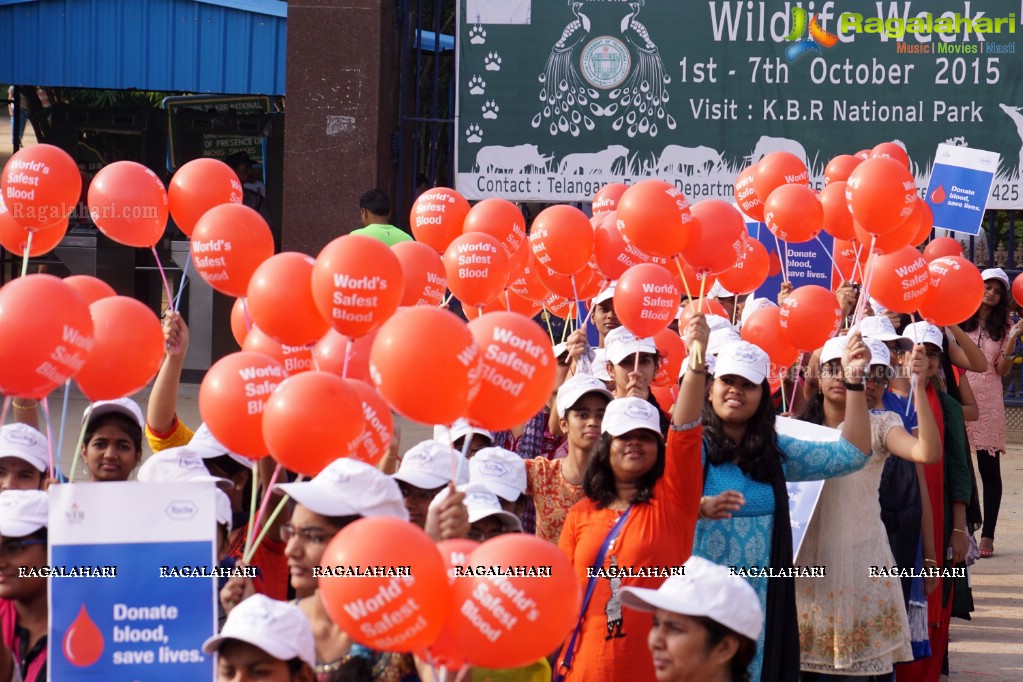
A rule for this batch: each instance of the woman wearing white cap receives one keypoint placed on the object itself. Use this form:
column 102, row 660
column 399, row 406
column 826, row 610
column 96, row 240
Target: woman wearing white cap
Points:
column 638, row 515
column 113, row 439
column 23, row 599
column 24, row 457
column 990, row 328
column 706, row 624
column 747, row 465
column 846, row 533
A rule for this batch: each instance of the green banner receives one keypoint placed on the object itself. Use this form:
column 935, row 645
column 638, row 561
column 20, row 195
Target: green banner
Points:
column 556, row 99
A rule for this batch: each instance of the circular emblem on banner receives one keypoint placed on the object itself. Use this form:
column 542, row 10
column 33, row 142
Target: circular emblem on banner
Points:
column 605, row 62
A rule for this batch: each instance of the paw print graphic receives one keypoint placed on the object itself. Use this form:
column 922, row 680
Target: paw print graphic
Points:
column 492, row 62
column 477, row 86
column 490, row 109
column 473, row 133
column 477, row 35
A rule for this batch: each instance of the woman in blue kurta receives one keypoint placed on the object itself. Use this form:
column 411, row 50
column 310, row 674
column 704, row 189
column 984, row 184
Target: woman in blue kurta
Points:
column 744, row 512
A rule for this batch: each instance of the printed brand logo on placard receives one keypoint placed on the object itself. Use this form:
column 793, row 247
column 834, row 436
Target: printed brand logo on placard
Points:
column 182, row 509
column 74, row 514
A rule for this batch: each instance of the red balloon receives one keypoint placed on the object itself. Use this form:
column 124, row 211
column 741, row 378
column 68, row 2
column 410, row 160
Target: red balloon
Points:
column 862, row 155
column 746, row 195
column 310, row 420
column 890, row 150
column 845, row 260
column 506, row 301
column 376, row 437
column 228, row 243
column 47, row 335
column 586, row 283
column 422, row 599
column 413, row 340
column 518, row 370
column 425, row 279
column 1017, row 290
column 606, row 199
column 41, row 184
column 838, row 221
column 888, row 242
column 793, row 213
column 562, row 239
column 942, row 246
column 925, row 222
column 691, row 282
column 899, row 280
column 128, row 349
column 357, row 284
column 881, row 193
column 437, row 217
column 128, row 203
column 197, row 187
column 749, row 272
column 654, row 215
column 559, row 306
column 717, row 236
column 665, row 396
column 611, row 251
column 839, row 168
column 954, row 293
column 330, row 353
column 777, row 169
column 502, row 220
column 810, row 316
column 91, row 289
column 707, row 306
column 763, row 328
column 294, row 359
column 444, row 651
column 280, row 300
column 477, row 268
column 232, row 397
column 672, row 351
column 528, row 285
column 15, row 238
column 646, row 299
column 240, row 321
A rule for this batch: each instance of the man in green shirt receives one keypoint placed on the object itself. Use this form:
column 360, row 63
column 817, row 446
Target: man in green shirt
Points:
column 375, row 212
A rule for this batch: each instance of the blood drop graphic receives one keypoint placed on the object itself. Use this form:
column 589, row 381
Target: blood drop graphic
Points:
column 83, row 642
column 774, row 267
column 938, row 195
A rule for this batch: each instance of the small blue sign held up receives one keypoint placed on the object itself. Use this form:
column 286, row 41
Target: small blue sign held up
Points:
column 959, row 187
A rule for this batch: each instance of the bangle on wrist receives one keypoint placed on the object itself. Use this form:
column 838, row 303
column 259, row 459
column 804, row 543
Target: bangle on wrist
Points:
column 960, row 530
column 930, row 561
column 700, row 514
column 27, row 404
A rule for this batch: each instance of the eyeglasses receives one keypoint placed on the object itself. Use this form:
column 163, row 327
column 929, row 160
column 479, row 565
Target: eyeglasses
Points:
column 419, row 495
column 17, row 545
column 311, row 536
column 482, row 535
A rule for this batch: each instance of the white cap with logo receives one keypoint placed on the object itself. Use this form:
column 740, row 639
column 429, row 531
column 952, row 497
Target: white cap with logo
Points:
column 209, row 447
column 743, row 359
column 606, row 294
column 879, row 353
column 629, row 414
column 178, row 464
column 996, row 273
column 881, row 328
column 459, row 430
column 753, row 305
column 349, row 487
column 481, row 503
column 833, row 348
column 500, row 471
column 620, row 343
column 427, row 465
column 923, row 332
column 126, row 406
column 278, row 628
column 599, row 364
column 575, row 387
column 25, row 443
column 23, row 512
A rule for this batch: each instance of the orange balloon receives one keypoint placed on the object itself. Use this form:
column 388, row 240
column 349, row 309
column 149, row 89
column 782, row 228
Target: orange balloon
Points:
column 746, row 195
column 425, row 279
column 925, row 222
column 572, row 287
column 41, row 184
column 672, row 351
column 437, row 217
column 228, row 243
column 654, row 216
column 91, row 289
column 900, row 280
column 418, row 338
column 376, row 437
column 777, row 169
column 357, row 284
column 240, row 321
column 888, row 242
column 845, row 260
column 197, row 187
column 942, row 246
column 506, row 301
column 477, row 268
column 541, row 612
column 518, row 370
column 502, row 220
column 559, row 306
column 310, row 420
column 749, row 272
column 1017, row 289
column 422, row 600
column 810, row 316
column 232, row 397
column 280, row 300
column 128, row 349
column 528, row 285
column 838, row 221
column 862, row 155
column 128, row 203
column 332, row 350
column 763, row 328
column 707, row 306
column 444, row 650
column 562, row 239
column 839, row 168
column 606, row 199
column 294, row 359
column 793, row 213
column 881, row 193
column 954, row 293
column 611, row 251
column 47, row 335
column 890, row 150
column 589, row 283
column 665, row 396
column 690, row 281
column 717, row 236
column 14, row 237
column 646, row 299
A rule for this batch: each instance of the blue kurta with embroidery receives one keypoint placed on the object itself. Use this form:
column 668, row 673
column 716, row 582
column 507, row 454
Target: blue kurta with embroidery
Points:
column 745, row 539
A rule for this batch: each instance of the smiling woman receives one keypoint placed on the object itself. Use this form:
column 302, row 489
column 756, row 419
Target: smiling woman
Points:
column 113, row 440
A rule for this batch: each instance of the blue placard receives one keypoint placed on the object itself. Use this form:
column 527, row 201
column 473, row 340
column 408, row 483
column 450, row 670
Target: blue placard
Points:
column 959, row 187
column 806, row 263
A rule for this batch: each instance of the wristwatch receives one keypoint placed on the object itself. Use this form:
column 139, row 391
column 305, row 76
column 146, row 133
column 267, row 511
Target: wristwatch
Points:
column 854, row 387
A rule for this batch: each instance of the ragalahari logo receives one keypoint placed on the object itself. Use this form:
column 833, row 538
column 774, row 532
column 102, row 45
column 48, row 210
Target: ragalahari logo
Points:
column 817, row 39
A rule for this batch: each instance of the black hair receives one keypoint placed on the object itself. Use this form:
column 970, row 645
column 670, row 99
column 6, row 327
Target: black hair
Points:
column 813, row 409
column 757, row 454
column 997, row 321
column 295, row 665
column 376, row 202
column 231, row 468
column 121, row 421
column 342, row 521
column 740, row 661
column 237, row 159
column 599, row 479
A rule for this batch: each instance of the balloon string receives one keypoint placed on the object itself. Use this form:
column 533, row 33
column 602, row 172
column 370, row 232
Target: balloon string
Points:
column 856, row 264
column 63, row 417
column 81, row 442
column 184, row 279
column 49, row 435
column 912, row 379
column 266, row 496
column 564, row 331
column 682, row 273
column 245, row 311
column 163, row 276
column 795, row 383
column 463, row 673
column 247, row 557
column 24, row 260
column 507, row 300
column 635, row 364
column 348, row 358
column 832, row 257
column 575, row 292
column 547, row 319
column 444, row 303
column 784, row 264
column 698, row 350
column 865, row 293
column 6, row 408
column 252, row 508
column 735, row 308
column 312, row 354
column 466, row 442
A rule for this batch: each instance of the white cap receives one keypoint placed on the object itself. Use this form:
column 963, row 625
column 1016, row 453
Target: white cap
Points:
column 482, row 503
column 25, row 443
column 278, row 628
column 718, row 291
column 209, row 447
column 460, row 429
column 876, row 306
column 23, row 512
column 879, row 354
column 709, row 362
column 427, row 465
column 743, row 359
column 599, row 364
column 718, row 322
column 719, row 338
column 126, row 406
column 923, row 332
column 500, row 471
column 178, row 464
column 224, row 513
column 575, row 387
column 833, row 349
column 628, row 414
column 753, row 305
column 996, row 273
column 707, row 589
column 620, row 343
column 881, row 328
column 606, row 294
column 560, row 349
column 349, row 487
